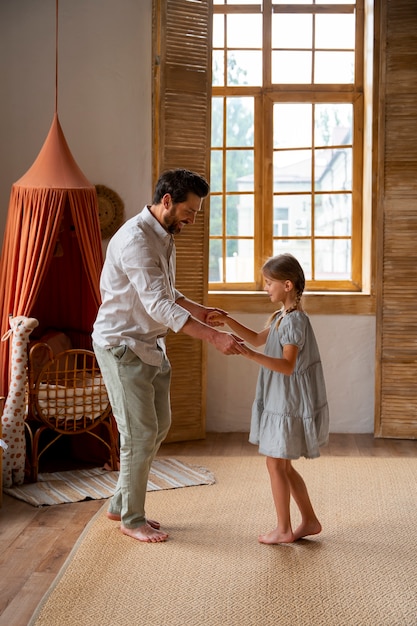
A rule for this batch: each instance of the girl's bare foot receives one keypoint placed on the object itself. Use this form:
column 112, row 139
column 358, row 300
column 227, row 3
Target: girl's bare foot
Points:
column 116, row 518
column 145, row 533
column 275, row 536
column 307, row 528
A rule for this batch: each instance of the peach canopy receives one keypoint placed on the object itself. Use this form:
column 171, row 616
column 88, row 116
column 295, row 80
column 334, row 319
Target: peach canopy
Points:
column 52, row 255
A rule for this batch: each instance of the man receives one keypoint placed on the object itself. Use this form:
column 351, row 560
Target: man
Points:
column 139, row 305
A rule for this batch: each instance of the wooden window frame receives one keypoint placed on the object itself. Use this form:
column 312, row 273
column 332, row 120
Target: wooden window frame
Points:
column 360, row 298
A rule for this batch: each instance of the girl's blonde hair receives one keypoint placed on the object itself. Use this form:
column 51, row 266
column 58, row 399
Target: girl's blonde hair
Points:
column 286, row 267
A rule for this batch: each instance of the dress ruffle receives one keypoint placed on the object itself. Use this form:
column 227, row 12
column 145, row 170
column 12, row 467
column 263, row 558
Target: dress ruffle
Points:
column 287, row 436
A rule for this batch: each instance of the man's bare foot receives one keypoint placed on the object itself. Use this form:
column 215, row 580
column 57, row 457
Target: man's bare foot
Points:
column 275, row 536
column 116, row 518
column 307, row 528
column 145, row 533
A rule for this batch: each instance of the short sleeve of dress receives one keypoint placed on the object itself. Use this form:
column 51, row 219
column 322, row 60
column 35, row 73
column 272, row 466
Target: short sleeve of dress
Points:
column 293, row 329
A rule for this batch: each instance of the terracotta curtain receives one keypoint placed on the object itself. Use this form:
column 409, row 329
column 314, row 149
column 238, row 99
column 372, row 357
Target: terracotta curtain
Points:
column 52, row 255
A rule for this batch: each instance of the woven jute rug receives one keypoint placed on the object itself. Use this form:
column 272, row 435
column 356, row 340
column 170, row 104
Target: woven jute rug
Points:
column 361, row 570
column 98, row 483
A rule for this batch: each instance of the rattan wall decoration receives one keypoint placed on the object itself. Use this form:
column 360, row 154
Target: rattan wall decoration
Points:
column 110, row 210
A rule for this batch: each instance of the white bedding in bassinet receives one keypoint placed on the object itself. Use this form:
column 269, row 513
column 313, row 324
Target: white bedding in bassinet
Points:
column 89, row 399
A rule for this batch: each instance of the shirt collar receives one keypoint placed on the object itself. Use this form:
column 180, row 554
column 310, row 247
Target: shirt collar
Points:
column 151, row 220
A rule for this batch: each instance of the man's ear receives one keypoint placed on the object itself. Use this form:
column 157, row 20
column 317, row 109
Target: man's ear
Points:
column 166, row 200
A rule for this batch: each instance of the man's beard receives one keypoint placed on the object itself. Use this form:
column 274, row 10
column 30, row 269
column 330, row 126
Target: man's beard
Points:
column 174, row 228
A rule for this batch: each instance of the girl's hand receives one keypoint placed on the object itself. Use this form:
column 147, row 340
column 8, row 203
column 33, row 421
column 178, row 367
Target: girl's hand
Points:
column 246, row 351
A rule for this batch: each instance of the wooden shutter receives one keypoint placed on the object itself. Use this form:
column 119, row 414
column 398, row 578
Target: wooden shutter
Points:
column 396, row 362
column 181, row 132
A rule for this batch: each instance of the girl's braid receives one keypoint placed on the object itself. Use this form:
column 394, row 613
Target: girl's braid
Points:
column 298, row 297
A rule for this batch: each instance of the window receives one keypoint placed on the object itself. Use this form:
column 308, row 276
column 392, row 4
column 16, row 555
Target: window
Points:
column 287, row 141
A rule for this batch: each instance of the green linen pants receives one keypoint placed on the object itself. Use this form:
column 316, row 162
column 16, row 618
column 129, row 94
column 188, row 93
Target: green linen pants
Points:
column 139, row 395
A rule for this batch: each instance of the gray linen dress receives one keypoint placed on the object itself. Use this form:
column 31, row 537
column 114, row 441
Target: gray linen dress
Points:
column 290, row 415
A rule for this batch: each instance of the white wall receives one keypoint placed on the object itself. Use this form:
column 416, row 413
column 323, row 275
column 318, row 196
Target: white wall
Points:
column 104, row 91
column 104, row 106
column 347, row 347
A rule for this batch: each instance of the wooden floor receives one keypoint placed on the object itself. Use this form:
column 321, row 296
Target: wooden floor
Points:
column 34, row 542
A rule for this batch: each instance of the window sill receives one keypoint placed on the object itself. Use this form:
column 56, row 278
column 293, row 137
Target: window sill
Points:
column 314, row 303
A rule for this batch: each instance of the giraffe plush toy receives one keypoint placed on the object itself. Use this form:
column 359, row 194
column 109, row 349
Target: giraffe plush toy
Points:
column 15, row 405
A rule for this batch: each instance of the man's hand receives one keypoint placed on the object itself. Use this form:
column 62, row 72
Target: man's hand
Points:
column 227, row 343
column 216, row 317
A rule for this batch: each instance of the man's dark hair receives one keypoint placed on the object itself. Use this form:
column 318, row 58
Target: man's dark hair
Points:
column 179, row 183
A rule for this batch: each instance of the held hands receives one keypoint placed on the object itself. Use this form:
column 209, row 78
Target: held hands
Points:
column 216, row 317
column 227, row 343
column 236, row 346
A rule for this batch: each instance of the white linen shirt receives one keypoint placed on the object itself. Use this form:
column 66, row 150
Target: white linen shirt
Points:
column 138, row 292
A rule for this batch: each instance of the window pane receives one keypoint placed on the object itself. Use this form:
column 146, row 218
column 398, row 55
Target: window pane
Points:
column 292, row 31
column 217, row 122
column 292, row 125
column 216, row 170
column 333, row 124
column 335, row 1
column 334, row 67
column 216, row 215
column 240, row 215
column 215, row 261
column 239, row 261
column 240, row 2
column 240, row 122
column 332, row 259
column 292, row 170
column 300, row 249
column 218, row 31
column 291, row 67
column 293, row 2
column 244, row 31
column 292, row 216
column 239, row 170
column 333, row 169
column 296, row 2
column 333, row 214
column 335, row 31
column 244, row 67
column 232, row 226
column 218, row 67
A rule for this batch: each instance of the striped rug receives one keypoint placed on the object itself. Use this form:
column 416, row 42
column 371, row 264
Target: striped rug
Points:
column 98, row 483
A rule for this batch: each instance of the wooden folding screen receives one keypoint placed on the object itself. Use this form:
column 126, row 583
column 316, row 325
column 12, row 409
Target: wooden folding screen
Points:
column 396, row 358
column 182, row 84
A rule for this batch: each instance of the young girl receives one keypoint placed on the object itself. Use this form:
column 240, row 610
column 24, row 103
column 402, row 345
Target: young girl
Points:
column 290, row 413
